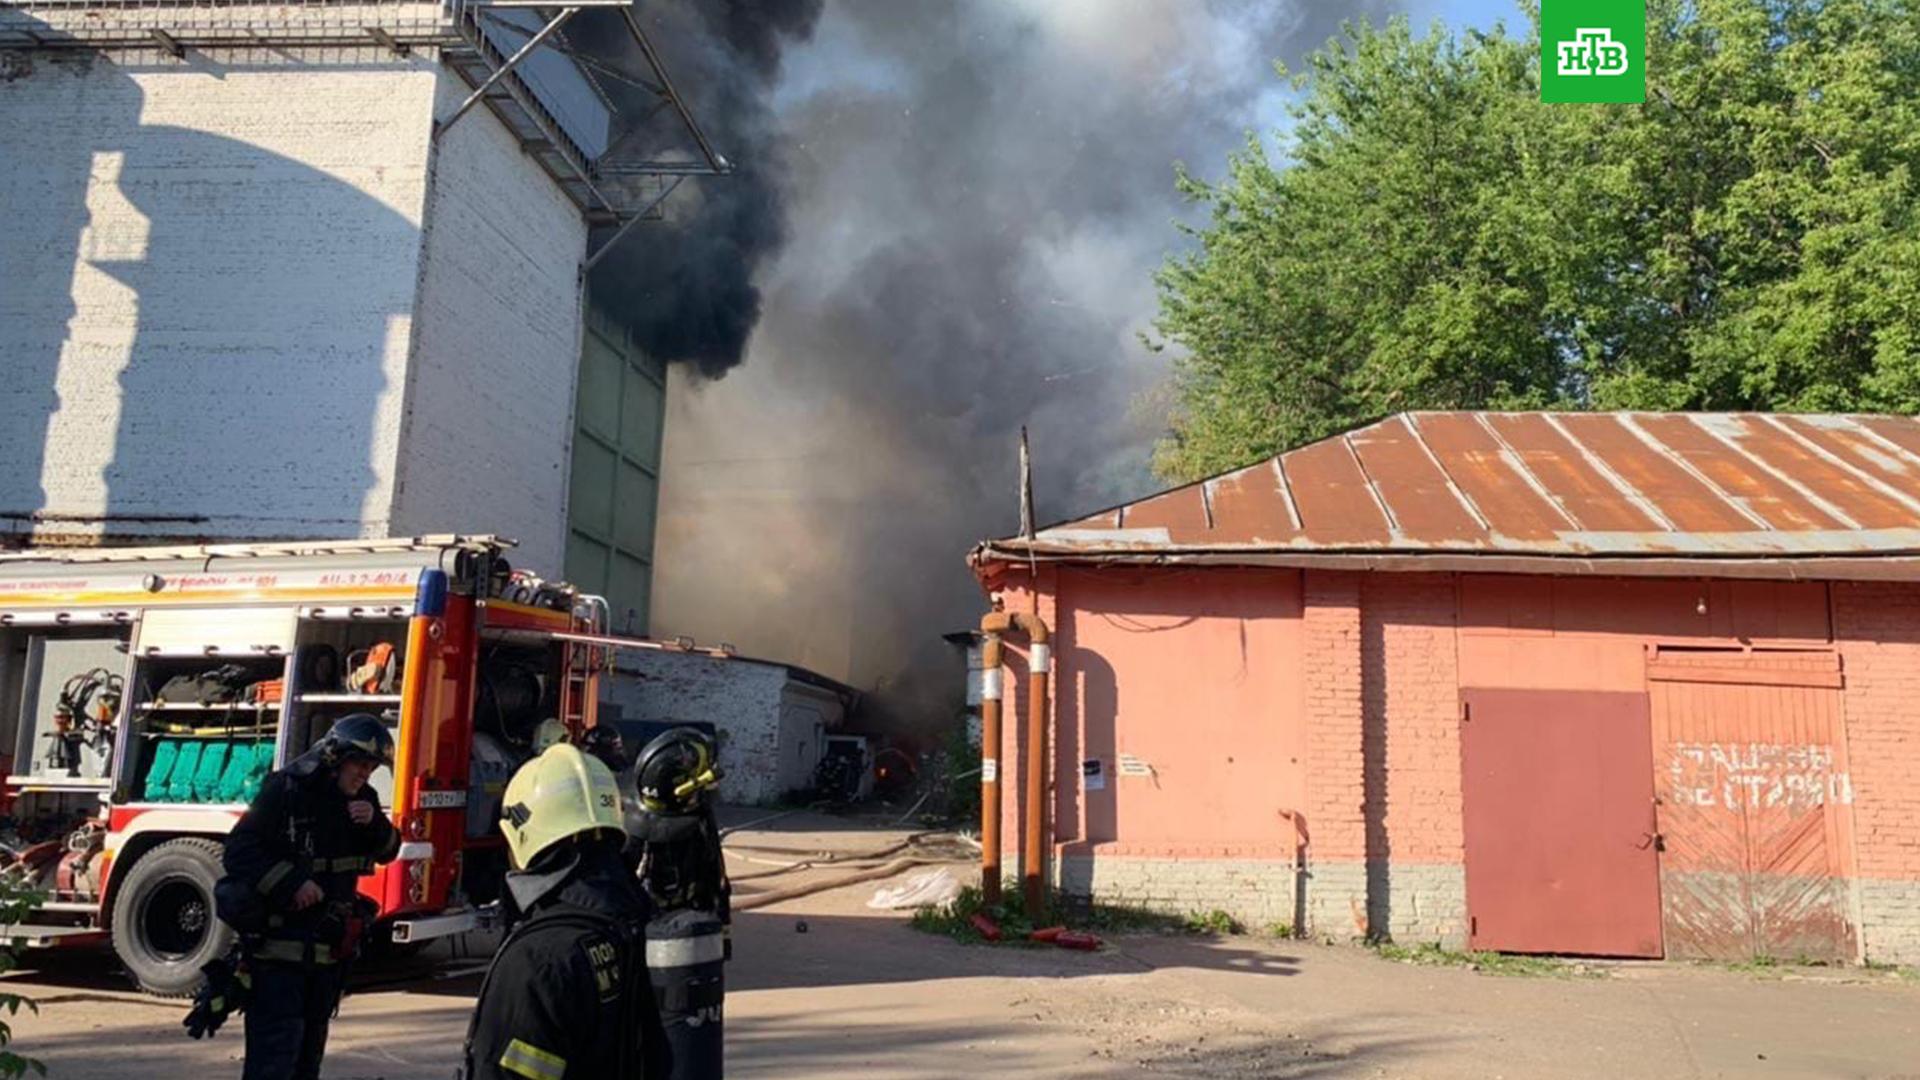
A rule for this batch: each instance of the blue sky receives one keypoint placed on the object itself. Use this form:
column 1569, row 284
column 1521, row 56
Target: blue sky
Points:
column 1269, row 112
column 1474, row 13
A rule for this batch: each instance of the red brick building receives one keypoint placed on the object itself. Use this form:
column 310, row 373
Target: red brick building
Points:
column 1615, row 684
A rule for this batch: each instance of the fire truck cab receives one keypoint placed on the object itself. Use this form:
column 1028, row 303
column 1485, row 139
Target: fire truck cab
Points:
column 146, row 692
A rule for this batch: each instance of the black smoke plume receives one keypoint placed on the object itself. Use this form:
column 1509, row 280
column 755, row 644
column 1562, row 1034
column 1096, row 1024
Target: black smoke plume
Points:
column 685, row 284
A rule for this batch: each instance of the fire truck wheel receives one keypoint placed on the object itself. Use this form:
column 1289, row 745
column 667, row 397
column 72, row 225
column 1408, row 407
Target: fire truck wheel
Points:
column 164, row 928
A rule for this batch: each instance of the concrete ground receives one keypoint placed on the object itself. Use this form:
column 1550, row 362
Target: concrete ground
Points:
column 859, row 993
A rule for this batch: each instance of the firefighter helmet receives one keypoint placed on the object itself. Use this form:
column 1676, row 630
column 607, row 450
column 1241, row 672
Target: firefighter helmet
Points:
column 560, row 794
column 551, row 732
column 604, row 742
column 675, row 770
column 356, row 735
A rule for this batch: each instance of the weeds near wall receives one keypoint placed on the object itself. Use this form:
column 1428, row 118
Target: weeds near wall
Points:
column 1487, row 963
column 954, row 919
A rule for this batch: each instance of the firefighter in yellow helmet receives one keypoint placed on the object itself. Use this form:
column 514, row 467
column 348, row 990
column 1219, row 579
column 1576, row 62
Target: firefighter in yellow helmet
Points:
column 568, row 994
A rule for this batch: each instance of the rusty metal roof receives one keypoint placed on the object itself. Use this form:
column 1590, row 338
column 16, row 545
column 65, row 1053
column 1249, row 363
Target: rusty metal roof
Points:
column 1664, row 492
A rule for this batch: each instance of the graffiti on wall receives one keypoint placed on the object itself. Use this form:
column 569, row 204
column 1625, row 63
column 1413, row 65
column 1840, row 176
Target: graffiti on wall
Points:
column 1756, row 776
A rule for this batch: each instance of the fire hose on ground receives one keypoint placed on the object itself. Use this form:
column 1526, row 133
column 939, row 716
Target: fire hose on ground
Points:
column 867, row 873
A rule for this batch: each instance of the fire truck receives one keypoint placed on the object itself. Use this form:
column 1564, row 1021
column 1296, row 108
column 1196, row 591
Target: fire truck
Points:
column 146, row 692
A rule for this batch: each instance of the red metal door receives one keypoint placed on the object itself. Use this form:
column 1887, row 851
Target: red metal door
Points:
column 1755, row 803
column 1557, row 791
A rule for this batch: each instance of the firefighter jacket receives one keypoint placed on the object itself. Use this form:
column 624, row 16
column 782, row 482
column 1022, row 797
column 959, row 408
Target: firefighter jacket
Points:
column 568, row 994
column 298, row 830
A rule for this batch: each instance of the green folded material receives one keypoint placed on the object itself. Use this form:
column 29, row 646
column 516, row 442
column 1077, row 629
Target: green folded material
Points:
column 180, row 784
column 247, row 765
column 206, row 777
column 202, row 771
column 165, row 753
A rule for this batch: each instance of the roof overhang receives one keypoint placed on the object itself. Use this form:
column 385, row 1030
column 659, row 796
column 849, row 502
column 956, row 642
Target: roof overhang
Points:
column 994, row 558
column 1723, row 495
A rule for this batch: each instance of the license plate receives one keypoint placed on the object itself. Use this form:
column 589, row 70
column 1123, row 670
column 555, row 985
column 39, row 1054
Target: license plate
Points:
column 442, row 800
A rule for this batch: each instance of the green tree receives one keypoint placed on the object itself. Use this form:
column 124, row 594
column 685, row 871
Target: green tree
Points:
column 1435, row 237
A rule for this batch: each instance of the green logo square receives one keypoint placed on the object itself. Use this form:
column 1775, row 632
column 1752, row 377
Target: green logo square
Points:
column 1593, row 50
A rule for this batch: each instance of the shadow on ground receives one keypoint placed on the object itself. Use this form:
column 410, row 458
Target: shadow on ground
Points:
column 844, row 950
column 797, row 1043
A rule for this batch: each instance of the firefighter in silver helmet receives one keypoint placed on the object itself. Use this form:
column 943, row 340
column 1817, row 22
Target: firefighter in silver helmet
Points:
column 568, row 993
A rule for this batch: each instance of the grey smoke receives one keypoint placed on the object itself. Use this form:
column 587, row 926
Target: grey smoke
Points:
column 975, row 198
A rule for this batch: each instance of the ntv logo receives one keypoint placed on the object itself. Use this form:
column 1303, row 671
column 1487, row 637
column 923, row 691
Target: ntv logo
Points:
column 1592, row 52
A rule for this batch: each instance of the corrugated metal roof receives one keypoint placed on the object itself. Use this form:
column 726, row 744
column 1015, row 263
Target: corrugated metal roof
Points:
column 1671, row 488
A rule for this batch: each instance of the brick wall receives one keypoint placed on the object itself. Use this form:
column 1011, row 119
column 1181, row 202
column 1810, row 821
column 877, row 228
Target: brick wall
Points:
column 1258, row 893
column 1411, row 702
column 206, row 287
column 1336, row 791
column 742, row 699
column 489, row 416
column 1878, row 625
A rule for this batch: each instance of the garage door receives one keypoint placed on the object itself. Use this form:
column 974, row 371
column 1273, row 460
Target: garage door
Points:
column 1755, row 803
column 1557, row 791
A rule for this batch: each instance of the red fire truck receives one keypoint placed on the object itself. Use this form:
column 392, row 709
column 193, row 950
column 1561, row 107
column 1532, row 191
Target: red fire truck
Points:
column 145, row 692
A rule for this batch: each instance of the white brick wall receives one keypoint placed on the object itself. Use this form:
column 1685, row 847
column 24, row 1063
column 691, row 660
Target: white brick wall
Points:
column 1427, row 903
column 1890, row 920
column 206, row 287
column 239, row 292
column 489, row 414
column 742, row 699
column 1259, row 893
column 1423, row 902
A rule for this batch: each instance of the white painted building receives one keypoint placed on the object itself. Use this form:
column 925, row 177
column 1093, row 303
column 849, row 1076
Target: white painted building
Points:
column 250, row 288
column 771, row 720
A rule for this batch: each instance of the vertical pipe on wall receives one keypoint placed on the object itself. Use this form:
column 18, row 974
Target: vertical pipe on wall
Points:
column 1033, row 853
column 990, row 695
column 1034, row 844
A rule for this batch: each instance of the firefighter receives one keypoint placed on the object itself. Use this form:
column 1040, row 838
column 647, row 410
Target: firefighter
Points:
column 568, row 993
column 293, row 864
column 681, row 866
column 684, row 872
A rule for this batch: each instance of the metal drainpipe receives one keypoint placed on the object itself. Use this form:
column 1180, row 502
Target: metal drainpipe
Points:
column 990, row 694
column 1033, row 854
column 1033, row 846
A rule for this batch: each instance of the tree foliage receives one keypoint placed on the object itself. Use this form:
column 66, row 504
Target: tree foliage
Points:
column 17, row 901
column 1433, row 236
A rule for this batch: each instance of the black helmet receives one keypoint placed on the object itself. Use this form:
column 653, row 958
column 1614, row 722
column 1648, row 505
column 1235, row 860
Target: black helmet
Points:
column 357, row 735
column 675, row 770
column 604, row 742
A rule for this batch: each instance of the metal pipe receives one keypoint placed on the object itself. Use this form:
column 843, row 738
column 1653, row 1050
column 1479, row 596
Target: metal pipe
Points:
column 1034, row 843
column 990, row 695
column 637, row 217
column 1034, row 852
column 714, row 160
